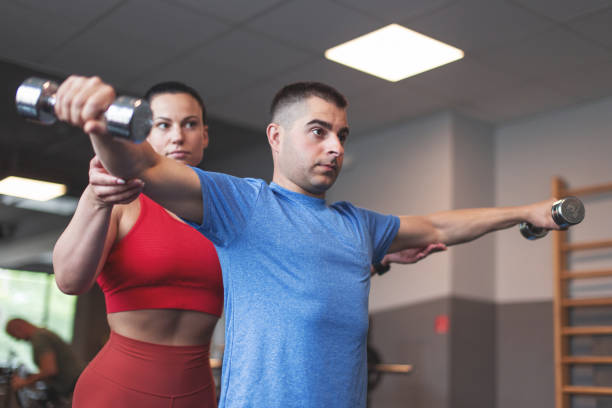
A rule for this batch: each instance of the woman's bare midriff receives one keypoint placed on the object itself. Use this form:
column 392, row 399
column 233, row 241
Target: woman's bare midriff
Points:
column 171, row 327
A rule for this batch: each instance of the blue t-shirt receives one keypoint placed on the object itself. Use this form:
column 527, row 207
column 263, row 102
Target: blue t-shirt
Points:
column 296, row 275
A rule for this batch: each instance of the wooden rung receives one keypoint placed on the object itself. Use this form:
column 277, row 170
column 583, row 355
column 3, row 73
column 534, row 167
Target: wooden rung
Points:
column 587, row 360
column 602, row 188
column 587, row 302
column 573, row 389
column 216, row 363
column 393, row 368
column 586, row 274
column 585, row 330
column 584, row 246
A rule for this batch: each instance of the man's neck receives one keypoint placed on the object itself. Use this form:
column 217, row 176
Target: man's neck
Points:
column 285, row 183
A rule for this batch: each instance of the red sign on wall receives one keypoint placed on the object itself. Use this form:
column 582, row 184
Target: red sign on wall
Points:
column 442, row 324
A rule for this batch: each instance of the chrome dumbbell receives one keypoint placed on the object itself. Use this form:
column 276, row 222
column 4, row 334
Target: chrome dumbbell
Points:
column 128, row 118
column 565, row 212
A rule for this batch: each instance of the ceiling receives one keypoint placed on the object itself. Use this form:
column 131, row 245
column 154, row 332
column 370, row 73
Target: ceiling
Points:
column 522, row 57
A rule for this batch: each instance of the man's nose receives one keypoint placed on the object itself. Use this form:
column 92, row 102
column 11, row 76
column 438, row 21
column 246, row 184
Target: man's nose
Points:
column 335, row 146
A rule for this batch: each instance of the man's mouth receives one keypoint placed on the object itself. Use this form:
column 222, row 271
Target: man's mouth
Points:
column 179, row 154
column 329, row 166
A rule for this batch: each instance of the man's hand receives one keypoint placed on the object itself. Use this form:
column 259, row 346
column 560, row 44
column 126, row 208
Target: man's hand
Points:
column 82, row 102
column 109, row 190
column 408, row 256
column 540, row 214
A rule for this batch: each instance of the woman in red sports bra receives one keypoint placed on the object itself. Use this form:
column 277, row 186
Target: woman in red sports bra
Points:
column 160, row 277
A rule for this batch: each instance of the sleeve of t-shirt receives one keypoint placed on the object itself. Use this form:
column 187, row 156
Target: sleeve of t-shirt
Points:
column 227, row 203
column 383, row 230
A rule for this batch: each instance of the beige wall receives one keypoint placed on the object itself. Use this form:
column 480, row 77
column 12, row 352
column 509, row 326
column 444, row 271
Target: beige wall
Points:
column 575, row 143
column 403, row 170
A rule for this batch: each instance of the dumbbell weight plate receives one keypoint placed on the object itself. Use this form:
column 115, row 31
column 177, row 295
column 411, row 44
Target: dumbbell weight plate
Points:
column 35, row 100
column 568, row 211
column 129, row 118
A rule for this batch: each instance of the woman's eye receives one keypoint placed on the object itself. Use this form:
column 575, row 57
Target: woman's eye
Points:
column 190, row 125
column 162, row 125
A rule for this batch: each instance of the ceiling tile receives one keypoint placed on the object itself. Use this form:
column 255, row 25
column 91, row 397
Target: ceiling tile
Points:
column 314, row 25
column 390, row 104
column 597, row 27
column 555, row 51
column 474, row 25
column 463, row 79
column 82, row 10
column 255, row 53
column 588, row 82
column 234, row 10
column 209, row 78
column 27, row 33
column 249, row 107
column 124, row 44
column 563, row 10
column 390, row 11
column 528, row 99
column 347, row 80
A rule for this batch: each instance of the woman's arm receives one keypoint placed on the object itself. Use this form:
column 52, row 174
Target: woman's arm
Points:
column 82, row 249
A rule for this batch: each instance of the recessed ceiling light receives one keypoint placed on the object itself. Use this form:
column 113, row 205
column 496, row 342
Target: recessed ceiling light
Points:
column 393, row 53
column 31, row 189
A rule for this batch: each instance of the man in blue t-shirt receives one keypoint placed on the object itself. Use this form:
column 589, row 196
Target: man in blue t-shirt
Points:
column 296, row 269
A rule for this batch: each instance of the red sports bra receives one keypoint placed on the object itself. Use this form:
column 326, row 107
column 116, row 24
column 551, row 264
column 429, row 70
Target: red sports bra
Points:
column 162, row 263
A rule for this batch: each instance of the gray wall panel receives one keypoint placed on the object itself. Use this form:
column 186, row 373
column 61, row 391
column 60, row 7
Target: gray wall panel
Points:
column 525, row 368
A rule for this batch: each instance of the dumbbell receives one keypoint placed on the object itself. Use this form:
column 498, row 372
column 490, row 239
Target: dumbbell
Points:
column 565, row 212
column 127, row 117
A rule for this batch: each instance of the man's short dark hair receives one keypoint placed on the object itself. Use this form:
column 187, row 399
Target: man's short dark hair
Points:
column 175, row 87
column 299, row 91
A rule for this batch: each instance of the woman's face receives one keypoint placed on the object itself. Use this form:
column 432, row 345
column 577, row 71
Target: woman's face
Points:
column 178, row 131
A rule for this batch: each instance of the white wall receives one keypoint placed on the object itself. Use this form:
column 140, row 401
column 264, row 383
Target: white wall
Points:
column 575, row 143
column 473, row 185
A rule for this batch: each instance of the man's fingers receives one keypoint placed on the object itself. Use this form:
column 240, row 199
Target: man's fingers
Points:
column 99, row 99
column 62, row 99
column 96, row 127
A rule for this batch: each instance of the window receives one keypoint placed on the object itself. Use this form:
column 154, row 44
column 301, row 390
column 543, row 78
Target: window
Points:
column 33, row 296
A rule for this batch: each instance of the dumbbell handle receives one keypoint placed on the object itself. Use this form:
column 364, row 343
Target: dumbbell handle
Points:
column 127, row 117
column 565, row 212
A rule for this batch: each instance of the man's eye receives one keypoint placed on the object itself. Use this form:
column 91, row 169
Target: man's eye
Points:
column 317, row 131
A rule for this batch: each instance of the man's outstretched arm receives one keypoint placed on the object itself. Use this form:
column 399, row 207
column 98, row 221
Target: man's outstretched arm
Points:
column 459, row 226
column 82, row 102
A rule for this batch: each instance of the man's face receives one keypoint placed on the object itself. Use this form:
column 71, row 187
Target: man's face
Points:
column 312, row 146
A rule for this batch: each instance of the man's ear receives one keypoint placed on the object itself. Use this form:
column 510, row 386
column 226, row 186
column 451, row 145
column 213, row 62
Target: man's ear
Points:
column 274, row 132
column 205, row 137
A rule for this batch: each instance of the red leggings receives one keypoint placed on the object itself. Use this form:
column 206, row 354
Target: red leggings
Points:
column 129, row 373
